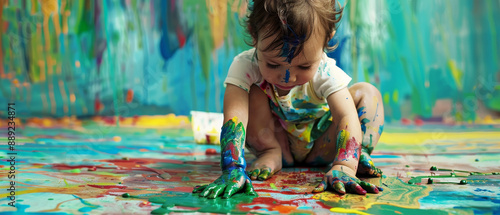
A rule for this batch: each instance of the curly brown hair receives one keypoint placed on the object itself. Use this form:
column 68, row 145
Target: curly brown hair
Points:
column 292, row 21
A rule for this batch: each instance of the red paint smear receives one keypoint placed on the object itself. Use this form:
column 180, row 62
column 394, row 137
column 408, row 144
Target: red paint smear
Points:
column 269, row 201
column 108, row 119
column 130, row 95
column 352, row 149
column 211, row 163
column 67, row 167
column 419, row 122
column 145, row 203
column 233, row 150
column 135, row 119
column 166, row 153
column 286, row 192
column 97, row 105
column 211, row 152
column 107, row 186
column 405, row 121
column 181, row 37
column 132, row 162
column 284, row 209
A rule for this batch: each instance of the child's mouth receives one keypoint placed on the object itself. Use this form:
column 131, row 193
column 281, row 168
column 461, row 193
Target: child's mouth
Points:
column 283, row 87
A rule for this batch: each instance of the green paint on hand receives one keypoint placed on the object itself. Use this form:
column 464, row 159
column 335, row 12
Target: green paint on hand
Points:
column 265, row 174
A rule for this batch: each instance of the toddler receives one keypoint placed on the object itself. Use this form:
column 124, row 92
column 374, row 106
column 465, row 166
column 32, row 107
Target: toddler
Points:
column 292, row 106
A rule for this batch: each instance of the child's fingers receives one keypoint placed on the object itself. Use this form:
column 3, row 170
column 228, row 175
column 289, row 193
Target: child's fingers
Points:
column 355, row 187
column 199, row 188
column 217, row 191
column 379, row 171
column 265, row 174
column 230, row 190
column 207, row 190
column 321, row 187
column 339, row 187
column 249, row 190
column 254, row 174
column 369, row 187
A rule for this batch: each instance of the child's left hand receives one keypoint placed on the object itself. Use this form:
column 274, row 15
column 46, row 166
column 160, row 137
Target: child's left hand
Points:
column 343, row 183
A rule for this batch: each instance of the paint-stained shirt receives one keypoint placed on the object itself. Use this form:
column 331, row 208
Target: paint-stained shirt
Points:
column 304, row 104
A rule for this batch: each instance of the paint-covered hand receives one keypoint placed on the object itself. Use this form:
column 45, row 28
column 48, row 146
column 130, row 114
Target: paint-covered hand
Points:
column 343, row 183
column 229, row 183
column 367, row 167
column 232, row 163
column 261, row 174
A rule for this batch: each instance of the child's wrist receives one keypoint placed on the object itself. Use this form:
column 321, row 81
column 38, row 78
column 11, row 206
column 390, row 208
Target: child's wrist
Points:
column 229, row 162
column 344, row 168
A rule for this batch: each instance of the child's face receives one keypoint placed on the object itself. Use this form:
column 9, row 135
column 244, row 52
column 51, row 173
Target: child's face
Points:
column 277, row 71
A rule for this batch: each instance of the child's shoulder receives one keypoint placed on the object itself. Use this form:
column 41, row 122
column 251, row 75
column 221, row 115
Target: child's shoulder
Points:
column 246, row 55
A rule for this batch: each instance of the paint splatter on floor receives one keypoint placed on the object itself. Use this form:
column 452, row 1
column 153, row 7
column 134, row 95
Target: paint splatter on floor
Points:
column 89, row 168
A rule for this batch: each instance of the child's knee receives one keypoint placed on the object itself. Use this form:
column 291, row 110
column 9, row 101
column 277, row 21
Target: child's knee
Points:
column 363, row 88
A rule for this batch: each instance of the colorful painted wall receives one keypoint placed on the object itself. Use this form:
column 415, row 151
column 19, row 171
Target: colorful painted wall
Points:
column 435, row 60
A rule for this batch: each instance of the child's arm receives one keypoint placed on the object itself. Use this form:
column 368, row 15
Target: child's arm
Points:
column 342, row 176
column 233, row 164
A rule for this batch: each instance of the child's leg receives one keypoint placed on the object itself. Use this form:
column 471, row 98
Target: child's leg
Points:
column 265, row 138
column 370, row 109
column 371, row 114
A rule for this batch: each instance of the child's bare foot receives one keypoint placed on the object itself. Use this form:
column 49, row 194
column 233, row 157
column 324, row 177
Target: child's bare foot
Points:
column 267, row 163
column 366, row 166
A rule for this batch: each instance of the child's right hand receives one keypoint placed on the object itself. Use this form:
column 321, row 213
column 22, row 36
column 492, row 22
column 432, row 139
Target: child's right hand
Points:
column 233, row 164
column 342, row 182
column 230, row 182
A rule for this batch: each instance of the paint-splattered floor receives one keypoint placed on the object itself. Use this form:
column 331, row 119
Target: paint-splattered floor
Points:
column 88, row 168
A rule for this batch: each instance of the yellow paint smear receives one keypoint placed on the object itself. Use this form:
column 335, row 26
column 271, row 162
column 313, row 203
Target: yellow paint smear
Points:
column 423, row 137
column 217, row 19
column 456, row 73
column 350, row 211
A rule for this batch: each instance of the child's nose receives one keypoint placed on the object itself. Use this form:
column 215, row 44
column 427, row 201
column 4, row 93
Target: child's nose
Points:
column 292, row 78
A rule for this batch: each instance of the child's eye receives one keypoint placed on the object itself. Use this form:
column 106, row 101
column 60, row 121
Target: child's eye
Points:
column 304, row 67
column 273, row 66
